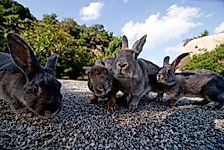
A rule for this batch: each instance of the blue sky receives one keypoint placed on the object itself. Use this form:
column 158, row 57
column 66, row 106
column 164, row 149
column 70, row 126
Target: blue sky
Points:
column 166, row 22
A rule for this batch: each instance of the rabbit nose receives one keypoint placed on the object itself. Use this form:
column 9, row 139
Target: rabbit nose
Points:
column 122, row 64
column 47, row 113
column 100, row 89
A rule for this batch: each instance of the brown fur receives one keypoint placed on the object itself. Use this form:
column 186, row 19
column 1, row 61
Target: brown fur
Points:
column 103, row 85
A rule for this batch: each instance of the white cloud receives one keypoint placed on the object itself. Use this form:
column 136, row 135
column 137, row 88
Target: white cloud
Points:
column 91, row 12
column 209, row 15
column 174, row 49
column 161, row 29
column 220, row 28
column 125, row 1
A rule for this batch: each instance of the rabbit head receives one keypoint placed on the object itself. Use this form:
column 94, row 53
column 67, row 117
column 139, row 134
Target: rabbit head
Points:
column 125, row 61
column 166, row 74
column 41, row 90
column 100, row 79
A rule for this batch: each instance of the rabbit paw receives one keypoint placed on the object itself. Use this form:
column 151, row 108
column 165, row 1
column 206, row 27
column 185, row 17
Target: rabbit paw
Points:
column 110, row 110
column 159, row 98
column 111, row 104
column 17, row 106
column 133, row 106
column 110, row 107
column 93, row 99
column 217, row 107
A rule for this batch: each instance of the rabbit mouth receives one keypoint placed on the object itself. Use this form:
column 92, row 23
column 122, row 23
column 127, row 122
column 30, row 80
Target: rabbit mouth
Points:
column 167, row 82
column 44, row 113
column 103, row 95
column 121, row 75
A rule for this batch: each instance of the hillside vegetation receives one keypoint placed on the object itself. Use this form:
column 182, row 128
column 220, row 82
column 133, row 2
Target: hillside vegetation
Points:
column 76, row 45
column 213, row 60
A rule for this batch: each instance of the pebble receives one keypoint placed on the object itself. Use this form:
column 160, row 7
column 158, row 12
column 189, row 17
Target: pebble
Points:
column 63, row 139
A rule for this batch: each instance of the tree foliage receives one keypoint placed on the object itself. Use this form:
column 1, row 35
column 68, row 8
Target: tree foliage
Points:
column 202, row 34
column 213, row 60
column 76, row 45
column 13, row 17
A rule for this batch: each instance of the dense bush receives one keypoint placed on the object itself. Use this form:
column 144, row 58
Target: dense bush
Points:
column 213, row 60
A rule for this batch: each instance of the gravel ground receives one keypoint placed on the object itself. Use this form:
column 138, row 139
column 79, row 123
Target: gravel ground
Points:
column 89, row 126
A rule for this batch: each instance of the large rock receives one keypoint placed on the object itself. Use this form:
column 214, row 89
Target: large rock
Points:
column 208, row 43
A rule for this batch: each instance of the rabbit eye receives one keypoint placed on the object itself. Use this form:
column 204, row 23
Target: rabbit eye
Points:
column 169, row 71
column 35, row 89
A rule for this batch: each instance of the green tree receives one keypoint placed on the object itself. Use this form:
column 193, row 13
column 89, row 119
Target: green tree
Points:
column 13, row 17
column 202, row 34
column 49, row 38
column 76, row 45
column 50, row 18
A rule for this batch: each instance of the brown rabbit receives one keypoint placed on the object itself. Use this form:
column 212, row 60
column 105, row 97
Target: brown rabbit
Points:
column 102, row 83
column 25, row 83
column 193, row 83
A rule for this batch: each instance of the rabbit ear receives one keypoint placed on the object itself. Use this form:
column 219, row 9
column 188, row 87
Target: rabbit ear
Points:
column 109, row 60
column 22, row 55
column 124, row 42
column 166, row 61
column 51, row 63
column 180, row 60
column 87, row 69
column 138, row 45
column 99, row 62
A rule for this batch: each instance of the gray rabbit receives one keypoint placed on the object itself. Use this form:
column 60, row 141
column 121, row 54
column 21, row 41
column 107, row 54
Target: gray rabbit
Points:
column 193, row 83
column 102, row 82
column 137, row 77
column 25, row 83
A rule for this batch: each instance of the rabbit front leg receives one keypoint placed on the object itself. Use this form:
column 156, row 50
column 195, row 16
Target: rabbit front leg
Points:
column 172, row 102
column 220, row 102
column 159, row 97
column 133, row 103
column 173, row 97
column 111, row 103
column 16, row 105
column 93, row 99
